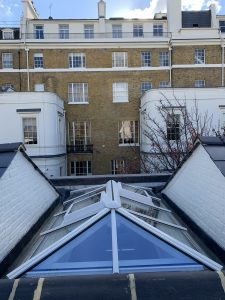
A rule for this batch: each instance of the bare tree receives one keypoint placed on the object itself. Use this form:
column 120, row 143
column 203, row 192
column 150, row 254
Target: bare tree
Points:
column 171, row 135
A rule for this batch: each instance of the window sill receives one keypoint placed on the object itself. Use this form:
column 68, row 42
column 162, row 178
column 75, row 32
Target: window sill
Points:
column 121, row 101
column 75, row 103
column 129, row 145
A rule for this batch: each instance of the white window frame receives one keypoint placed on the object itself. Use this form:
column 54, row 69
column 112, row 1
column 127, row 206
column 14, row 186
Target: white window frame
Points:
column 87, row 167
column 145, row 86
column 175, row 114
column 7, row 34
column 164, row 60
column 33, row 117
column 164, row 84
column 7, row 60
column 138, row 30
column 199, row 56
column 72, row 93
column 64, row 31
column 39, row 87
column 146, row 59
column 117, row 31
column 38, row 61
column 89, row 31
column 120, row 92
column 157, row 29
column 73, row 139
column 119, row 60
column 77, row 60
column 200, row 83
column 128, row 130
column 117, row 165
column 39, row 32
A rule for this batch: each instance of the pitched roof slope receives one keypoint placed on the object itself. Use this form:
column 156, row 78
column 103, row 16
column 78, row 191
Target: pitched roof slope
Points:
column 7, row 153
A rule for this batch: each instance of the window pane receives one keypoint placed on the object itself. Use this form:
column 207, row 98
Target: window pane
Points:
column 158, row 30
column 146, row 59
column 118, row 166
column 145, row 86
column 81, row 168
column 139, row 249
column 119, row 59
column 138, row 30
column 39, row 31
column 77, row 60
column 38, row 60
column 199, row 56
column 173, row 127
column 128, row 132
column 30, row 130
column 164, row 59
column 91, row 251
column 199, row 83
column 117, row 31
column 78, row 92
column 120, row 92
column 7, row 60
column 63, row 31
column 89, row 31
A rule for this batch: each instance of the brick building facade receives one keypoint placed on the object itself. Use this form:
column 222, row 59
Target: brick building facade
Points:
column 101, row 68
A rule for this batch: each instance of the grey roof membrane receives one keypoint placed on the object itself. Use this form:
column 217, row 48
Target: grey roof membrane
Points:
column 215, row 147
column 192, row 19
column 7, row 153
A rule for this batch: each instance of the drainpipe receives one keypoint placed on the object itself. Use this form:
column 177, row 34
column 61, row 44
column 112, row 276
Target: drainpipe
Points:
column 170, row 57
column 28, row 70
column 222, row 50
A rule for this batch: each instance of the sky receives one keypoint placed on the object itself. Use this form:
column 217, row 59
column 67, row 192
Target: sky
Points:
column 10, row 10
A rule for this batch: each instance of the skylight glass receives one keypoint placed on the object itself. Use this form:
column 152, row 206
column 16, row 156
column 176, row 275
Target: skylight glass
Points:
column 138, row 250
column 90, row 252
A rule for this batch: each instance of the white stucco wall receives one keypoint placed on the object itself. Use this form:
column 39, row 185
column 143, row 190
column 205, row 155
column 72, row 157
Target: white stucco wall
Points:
column 209, row 100
column 24, row 196
column 50, row 135
column 199, row 190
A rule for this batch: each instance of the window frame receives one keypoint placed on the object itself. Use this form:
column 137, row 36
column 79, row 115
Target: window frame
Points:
column 115, row 168
column 146, row 60
column 38, row 61
column 64, row 32
column 117, row 31
column 9, row 32
column 164, row 84
column 79, row 140
column 138, row 30
column 158, row 30
column 39, row 32
column 7, row 63
column 119, row 59
column 199, row 83
column 144, row 88
column 75, row 167
column 89, row 31
column 199, row 56
column 164, row 59
column 84, row 87
column 74, row 59
column 133, row 140
column 120, row 95
column 173, row 128
column 30, row 117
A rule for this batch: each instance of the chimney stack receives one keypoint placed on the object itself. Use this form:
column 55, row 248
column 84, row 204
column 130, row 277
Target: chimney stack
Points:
column 101, row 9
column 174, row 16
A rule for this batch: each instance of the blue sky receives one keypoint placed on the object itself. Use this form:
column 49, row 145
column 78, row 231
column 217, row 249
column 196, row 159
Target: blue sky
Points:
column 10, row 10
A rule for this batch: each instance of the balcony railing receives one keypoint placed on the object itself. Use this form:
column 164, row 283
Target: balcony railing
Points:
column 80, row 149
column 107, row 35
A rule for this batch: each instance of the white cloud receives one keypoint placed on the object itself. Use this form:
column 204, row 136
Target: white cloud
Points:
column 160, row 6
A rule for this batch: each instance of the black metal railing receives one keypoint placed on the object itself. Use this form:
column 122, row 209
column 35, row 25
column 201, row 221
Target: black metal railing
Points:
column 79, row 148
column 91, row 36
